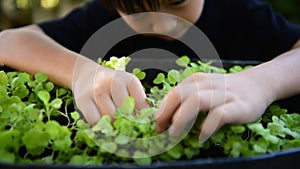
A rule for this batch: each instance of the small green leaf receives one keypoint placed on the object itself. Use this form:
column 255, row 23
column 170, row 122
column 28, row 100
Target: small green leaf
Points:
column 141, row 158
column 103, row 125
column 188, row 72
column 7, row 157
column 49, row 86
column 123, row 152
column 235, row 69
column 56, row 103
column 75, row 116
column 139, row 74
column 3, row 79
column 291, row 144
column 79, row 159
column 44, row 96
column 99, row 61
column 21, row 91
column 10, row 140
column 25, row 77
column 292, row 121
column 176, row 152
column 41, row 77
column 190, row 153
column 109, row 146
column 261, row 146
column 3, row 93
column 159, row 79
column 62, row 144
column 237, row 129
column 183, row 61
column 52, row 128
column 36, row 141
column 135, row 71
column 83, row 137
column 127, row 106
column 61, row 92
column 32, row 112
column 121, row 140
column 174, row 77
column 11, row 75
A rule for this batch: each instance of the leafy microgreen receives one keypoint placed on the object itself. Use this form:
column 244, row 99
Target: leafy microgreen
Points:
column 35, row 117
column 139, row 74
column 183, row 61
column 3, row 79
column 44, row 96
column 159, row 79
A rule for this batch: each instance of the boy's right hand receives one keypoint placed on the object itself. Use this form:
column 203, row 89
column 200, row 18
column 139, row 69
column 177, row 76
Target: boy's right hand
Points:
column 99, row 90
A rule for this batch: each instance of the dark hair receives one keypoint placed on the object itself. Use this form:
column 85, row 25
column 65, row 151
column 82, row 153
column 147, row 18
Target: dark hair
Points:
column 135, row 6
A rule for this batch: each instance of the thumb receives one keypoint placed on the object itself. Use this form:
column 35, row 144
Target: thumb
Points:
column 87, row 108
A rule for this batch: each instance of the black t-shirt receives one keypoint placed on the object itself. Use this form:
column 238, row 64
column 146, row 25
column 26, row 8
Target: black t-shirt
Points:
column 238, row 29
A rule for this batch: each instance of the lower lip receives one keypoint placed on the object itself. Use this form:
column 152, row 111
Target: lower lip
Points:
column 170, row 37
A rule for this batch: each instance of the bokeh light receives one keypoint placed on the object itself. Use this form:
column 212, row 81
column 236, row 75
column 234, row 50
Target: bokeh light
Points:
column 23, row 4
column 48, row 4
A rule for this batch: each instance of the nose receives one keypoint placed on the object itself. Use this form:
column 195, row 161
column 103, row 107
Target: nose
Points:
column 163, row 24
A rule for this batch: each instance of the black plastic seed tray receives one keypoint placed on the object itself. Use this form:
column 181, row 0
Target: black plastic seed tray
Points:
column 277, row 160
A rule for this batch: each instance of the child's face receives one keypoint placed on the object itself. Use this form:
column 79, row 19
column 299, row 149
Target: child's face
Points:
column 161, row 23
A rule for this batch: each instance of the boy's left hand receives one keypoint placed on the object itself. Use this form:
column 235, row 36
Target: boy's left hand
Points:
column 236, row 98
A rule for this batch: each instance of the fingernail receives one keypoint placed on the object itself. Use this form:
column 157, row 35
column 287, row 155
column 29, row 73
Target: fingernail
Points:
column 158, row 128
column 202, row 138
column 173, row 131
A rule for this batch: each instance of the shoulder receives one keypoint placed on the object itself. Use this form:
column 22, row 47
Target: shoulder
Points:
column 74, row 29
column 234, row 6
column 247, row 27
column 93, row 13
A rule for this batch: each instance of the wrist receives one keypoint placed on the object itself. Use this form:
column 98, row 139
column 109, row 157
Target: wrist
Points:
column 4, row 37
column 83, row 68
column 264, row 81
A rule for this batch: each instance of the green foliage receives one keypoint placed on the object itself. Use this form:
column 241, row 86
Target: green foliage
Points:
column 139, row 74
column 289, row 8
column 115, row 63
column 37, row 125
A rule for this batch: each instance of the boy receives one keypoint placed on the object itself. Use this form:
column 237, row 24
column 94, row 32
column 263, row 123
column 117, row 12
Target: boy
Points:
column 239, row 29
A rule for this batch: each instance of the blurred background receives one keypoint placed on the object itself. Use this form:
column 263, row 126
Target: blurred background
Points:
column 16, row 13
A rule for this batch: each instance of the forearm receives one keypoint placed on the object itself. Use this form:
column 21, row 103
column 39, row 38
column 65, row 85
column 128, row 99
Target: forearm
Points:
column 280, row 75
column 287, row 73
column 32, row 51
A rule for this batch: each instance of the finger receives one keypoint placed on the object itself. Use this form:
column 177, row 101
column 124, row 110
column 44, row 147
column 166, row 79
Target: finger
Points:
column 167, row 108
column 119, row 93
column 172, row 101
column 207, row 80
column 202, row 100
column 105, row 104
column 196, row 77
column 136, row 91
column 195, row 83
column 185, row 116
column 88, row 109
column 215, row 119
